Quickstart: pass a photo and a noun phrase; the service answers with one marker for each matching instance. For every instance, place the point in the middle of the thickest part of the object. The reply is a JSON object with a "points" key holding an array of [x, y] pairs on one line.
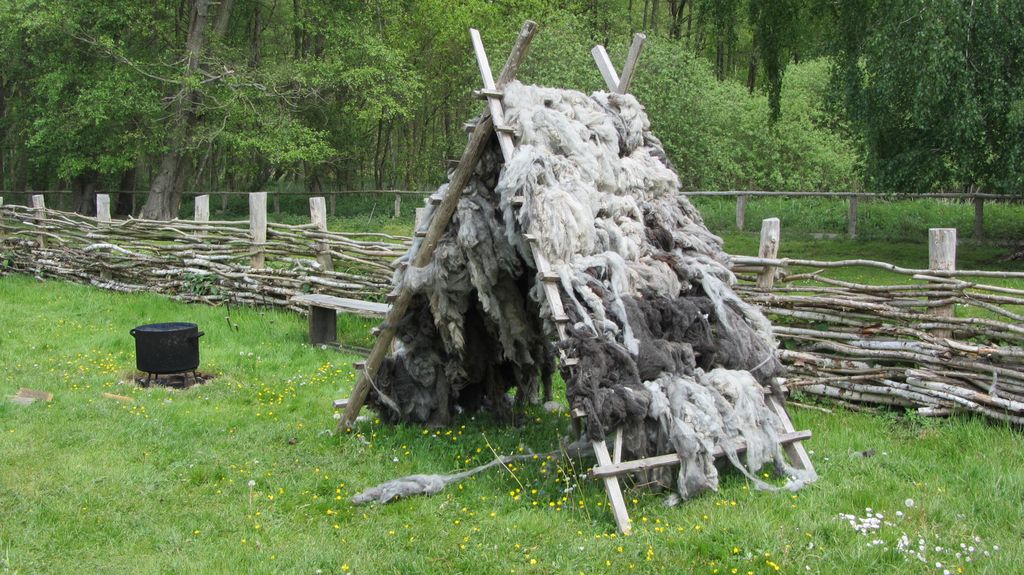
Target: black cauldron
{"points": [[167, 347]]}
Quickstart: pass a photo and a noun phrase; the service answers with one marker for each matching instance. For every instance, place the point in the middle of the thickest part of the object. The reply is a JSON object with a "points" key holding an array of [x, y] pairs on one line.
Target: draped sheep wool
{"points": [[664, 347]]}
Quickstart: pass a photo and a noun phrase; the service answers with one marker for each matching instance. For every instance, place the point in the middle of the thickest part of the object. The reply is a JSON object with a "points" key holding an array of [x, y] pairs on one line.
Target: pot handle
{"points": [[132, 332], [198, 335]]}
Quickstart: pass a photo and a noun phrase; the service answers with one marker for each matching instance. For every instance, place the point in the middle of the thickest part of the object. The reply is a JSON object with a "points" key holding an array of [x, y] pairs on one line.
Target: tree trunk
{"points": [[83, 193], [298, 39], [165, 193], [3, 129], [125, 204], [256, 50], [220, 27], [752, 72]]}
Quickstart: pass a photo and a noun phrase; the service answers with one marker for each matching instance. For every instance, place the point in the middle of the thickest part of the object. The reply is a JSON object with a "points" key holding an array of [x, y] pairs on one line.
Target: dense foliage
{"points": [[325, 94]]}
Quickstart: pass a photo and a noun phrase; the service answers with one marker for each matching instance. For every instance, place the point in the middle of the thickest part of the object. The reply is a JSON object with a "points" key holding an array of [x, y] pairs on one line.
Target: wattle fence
{"points": [[938, 340], [245, 262]]}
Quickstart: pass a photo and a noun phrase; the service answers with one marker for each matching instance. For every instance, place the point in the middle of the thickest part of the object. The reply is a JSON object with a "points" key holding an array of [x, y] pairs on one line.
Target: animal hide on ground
{"points": [[664, 347]]}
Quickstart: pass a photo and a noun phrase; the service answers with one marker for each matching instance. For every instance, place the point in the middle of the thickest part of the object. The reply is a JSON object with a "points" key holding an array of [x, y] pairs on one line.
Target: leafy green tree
{"points": [[936, 91]]}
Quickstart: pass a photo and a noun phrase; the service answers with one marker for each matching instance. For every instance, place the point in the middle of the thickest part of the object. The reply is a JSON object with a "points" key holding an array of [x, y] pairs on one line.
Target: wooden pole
{"points": [[629, 68], [39, 203], [771, 232], [851, 218], [479, 139], [318, 216], [103, 217], [334, 204], [421, 213], [942, 257], [604, 64], [741, 212], [258, 227], [979, 219], [223, 203], [202, 212], [398, 206]]}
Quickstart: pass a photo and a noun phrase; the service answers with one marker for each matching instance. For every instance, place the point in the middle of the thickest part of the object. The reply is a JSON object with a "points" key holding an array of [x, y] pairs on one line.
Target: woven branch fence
{"points": [[245, 262], [939, 340]]}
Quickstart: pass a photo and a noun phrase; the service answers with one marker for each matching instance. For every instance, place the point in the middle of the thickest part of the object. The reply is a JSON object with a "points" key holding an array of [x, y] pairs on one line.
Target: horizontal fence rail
{"points": [[246, 262], [939, 341]]}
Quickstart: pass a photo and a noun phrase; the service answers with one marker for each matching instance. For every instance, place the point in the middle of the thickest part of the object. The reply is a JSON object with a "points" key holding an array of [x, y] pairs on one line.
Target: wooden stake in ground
{"points": [[942, 257], [478, 141]]}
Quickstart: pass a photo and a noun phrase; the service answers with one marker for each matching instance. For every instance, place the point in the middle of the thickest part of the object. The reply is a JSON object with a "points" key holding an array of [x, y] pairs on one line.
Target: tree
{"points": [[936, 91]]}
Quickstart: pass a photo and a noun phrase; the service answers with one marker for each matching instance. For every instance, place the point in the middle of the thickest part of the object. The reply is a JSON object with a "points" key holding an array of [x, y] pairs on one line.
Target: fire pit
{"points": [[166, 348]]}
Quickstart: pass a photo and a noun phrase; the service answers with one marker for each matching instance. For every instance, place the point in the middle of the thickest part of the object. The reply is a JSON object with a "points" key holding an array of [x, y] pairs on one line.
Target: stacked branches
{"points": [[657, 343], [205, 262], [892, 345]]}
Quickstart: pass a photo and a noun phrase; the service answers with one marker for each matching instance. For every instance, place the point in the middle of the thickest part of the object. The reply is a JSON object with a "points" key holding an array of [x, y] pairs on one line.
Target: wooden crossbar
{"points": [[616, 469]]}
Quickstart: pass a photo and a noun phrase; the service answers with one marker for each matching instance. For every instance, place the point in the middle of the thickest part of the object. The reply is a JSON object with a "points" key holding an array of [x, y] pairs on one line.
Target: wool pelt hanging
{"points": [[664, 347]]}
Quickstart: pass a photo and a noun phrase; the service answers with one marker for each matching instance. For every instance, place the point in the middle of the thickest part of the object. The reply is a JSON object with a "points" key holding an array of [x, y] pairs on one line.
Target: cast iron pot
{"points": [[167, 347]]}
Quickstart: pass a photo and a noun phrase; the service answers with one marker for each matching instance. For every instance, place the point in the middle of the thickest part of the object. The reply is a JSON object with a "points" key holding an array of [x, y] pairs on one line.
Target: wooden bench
{"points": [[323, 314]]}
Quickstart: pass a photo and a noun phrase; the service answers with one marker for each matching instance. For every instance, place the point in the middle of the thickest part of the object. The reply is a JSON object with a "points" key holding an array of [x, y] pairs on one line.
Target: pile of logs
{"points": [[247, 262], [938, 341]]}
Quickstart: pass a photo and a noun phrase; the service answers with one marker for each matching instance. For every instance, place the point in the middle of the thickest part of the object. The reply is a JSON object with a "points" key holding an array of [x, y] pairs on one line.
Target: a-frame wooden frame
{"points": [[609, 467]]}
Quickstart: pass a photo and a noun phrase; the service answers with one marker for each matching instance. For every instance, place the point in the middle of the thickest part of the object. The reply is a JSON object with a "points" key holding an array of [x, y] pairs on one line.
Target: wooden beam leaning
{"points": [[494, 99], [798, 457], [604, 64], [611, 485], [619, 84], [442, 215], [629, 68]]}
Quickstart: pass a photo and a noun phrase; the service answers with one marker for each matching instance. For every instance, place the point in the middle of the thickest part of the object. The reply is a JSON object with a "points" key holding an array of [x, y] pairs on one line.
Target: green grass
{"points": [[161, 485], [878, 219]]}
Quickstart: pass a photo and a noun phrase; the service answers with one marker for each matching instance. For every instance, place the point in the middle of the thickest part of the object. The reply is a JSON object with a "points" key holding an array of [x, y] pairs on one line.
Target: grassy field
{"points": [[245, 475]]}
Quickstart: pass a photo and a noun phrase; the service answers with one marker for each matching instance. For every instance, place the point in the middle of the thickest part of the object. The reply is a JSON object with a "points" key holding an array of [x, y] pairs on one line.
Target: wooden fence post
{"points": [[979, 219], [942, 257], [39, 203], [398, 206], [318, 216], [851, 217], [224, 202], [277, 203], [334, 204], [771, 232], [741, 212], [421, 213], [103, 219], [103, 208], [202, 213], [1, 218], [258, 227]]}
